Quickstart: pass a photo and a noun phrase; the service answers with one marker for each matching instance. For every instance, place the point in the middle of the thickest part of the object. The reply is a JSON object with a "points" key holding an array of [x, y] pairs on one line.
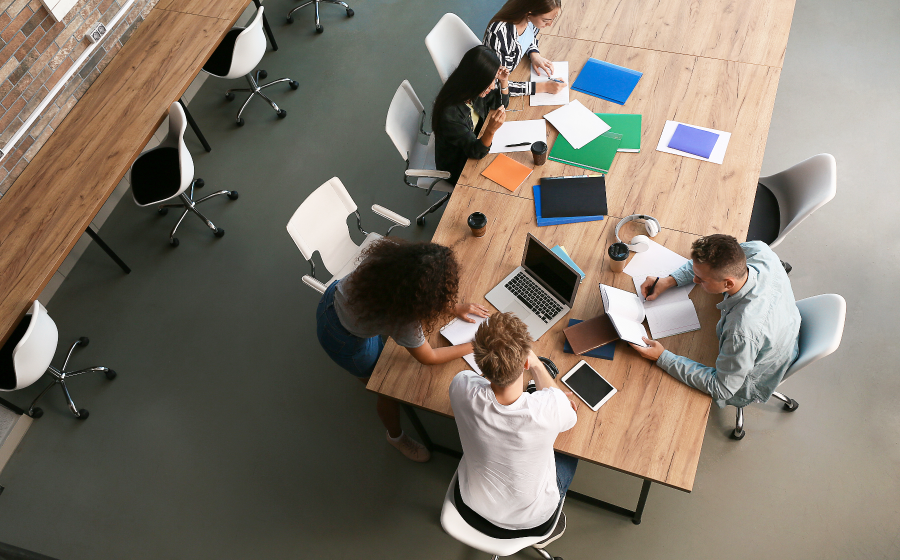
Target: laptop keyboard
{"points": [[534, 298]]}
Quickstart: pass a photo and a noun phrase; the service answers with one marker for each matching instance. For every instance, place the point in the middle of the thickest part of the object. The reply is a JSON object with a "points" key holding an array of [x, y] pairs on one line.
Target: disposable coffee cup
{"points": [[618, 254], [539, 152], [478, 222]]}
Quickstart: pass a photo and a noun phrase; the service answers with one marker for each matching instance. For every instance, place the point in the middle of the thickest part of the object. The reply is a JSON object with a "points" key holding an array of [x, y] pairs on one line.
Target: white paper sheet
{"points": [[660, 262], [577, 123], [716, 156], [470, 359], [458, 331], [516, 132], [674, 318], [561, 72]]}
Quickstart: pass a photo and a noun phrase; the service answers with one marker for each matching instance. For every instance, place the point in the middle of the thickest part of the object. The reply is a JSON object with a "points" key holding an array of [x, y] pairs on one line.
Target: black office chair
{"points": [[319, 28]]}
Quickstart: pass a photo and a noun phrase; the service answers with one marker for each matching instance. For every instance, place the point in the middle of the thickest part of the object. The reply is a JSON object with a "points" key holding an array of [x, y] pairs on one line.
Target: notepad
{"points": [[693, 140], [629, 126], [717, 155], [607, 81], [543, 222], [458, 331], [518, 132], [566, 197], [597, 155], [560, 72], [595, 337], [507, 172], [577, 123], [560, 252]]}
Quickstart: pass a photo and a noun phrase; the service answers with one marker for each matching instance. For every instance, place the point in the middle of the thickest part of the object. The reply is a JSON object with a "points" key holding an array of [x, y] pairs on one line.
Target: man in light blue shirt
{"points": [[759, 328]]}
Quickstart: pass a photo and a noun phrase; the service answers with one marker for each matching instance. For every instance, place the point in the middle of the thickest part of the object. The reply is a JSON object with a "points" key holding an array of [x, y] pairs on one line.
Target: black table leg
{"points": [[634, 515], [423, 435], [194, 126], [5, 403], [267, 28], [106, 248]]}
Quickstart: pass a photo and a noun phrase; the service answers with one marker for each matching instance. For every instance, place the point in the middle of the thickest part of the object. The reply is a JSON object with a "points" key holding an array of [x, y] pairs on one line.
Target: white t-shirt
{"points": [[508, 472]]}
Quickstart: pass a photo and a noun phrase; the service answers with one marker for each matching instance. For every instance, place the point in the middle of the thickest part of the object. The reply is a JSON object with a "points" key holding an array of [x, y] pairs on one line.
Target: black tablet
{"points": [[588, 385]]}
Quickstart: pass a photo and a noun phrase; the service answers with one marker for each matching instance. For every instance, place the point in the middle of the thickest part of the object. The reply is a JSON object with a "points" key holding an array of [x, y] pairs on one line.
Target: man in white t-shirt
{"points": [[509, 474]]}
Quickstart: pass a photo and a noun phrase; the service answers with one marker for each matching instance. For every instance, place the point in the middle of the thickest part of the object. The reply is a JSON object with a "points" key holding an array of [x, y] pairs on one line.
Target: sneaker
{"points": [[410, 447], [557, 532]]}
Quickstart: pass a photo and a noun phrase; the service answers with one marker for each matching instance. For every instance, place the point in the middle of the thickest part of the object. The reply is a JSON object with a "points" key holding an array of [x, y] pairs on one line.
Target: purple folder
{"points": [[693, 140]]}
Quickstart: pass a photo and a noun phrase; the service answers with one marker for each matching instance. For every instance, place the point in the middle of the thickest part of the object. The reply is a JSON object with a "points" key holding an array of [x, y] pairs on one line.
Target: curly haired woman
{"points": [[400, 290]]}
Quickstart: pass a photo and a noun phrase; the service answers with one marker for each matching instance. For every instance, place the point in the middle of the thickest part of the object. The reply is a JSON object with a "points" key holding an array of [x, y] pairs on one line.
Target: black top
{"points": [[459, 139]]}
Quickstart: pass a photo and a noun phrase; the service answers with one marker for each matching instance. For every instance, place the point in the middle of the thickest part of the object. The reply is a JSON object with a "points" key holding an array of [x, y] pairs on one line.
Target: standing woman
{"points": [[399, 290], [512, 33], [468, 103]]}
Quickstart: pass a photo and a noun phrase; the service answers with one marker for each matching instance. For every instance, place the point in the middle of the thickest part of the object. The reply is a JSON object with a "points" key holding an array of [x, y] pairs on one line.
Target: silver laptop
{"points": [[540, 292]]}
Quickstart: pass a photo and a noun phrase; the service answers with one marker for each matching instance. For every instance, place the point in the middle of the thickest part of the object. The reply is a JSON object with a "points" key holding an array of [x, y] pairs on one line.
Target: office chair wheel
{"points": [[420, 221], [294, 84], [233, 195], [737, 436], [111, 374], [84, 341], [82, 414], [229, 96], [262, 75], [219, 232], [162, 211], [35, 412], [281, 113], [791, 407], [350, 12], [319, 29], [199, 183], [173, 242], [240, 121], [290, 19]]}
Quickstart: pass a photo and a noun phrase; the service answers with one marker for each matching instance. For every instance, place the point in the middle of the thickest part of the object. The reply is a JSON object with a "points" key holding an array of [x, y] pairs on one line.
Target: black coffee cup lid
{"points": [[618, 251], [477, 220], [539, 146]]}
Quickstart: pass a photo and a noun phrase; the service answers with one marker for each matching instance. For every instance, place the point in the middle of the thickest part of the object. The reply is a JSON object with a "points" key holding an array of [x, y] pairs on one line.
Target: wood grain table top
{"points": [[228, 10], [653, 427], [50, 205], [682, 193]]}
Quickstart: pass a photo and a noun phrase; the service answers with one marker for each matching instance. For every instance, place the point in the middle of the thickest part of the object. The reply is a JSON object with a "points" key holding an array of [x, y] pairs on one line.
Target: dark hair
{"points": [[475, 73], [515, 11], [722, 253], [501, 346], [404, 282]]}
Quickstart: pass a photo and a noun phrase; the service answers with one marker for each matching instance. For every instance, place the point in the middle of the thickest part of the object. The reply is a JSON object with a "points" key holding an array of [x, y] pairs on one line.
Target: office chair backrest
{"points": [[450, 39], [404, 119], [249, 47], [801, 190], [34, 352], [320, 224], [455, 526], [175, 138], [821, 327]]}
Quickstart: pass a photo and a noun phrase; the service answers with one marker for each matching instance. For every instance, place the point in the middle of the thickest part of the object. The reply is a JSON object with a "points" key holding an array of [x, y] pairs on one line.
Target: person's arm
{"points": [[497, 36], [455, 131], [429, 356], [684, 275], [543, 379], [737, 357]]}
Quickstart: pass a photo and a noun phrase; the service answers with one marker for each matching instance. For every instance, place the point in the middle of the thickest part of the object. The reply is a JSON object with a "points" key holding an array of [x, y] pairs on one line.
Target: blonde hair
{"points": [[501, 348]]}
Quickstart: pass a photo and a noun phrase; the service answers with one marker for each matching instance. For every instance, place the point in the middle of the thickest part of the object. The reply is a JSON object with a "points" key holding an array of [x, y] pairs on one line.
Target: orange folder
{"points": [[507, 172]]}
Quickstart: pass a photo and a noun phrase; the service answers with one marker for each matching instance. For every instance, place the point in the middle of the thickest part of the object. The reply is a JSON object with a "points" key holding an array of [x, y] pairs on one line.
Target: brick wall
{"points": [[35, 52]]}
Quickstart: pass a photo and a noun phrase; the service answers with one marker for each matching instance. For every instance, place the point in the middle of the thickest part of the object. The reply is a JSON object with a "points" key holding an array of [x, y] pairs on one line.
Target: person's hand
{"points": [[661, 286], [549, 87], [654, 351], [503, 75], [539, 63], [572, 400], [463, 310], [496, 119]]}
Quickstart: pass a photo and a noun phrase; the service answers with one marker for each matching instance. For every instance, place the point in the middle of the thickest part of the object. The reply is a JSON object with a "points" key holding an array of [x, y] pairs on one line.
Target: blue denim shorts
{"points": [[354, 354]]}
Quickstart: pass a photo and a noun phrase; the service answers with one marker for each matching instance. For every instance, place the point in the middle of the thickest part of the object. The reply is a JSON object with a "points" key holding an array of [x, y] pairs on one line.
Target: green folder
{"points": [[596, 155], [629, 126]]}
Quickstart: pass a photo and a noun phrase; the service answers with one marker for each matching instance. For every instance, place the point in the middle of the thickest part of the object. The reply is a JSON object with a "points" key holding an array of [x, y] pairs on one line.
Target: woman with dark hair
{"points": [[400, 290], [468, 103], [513, 32]]}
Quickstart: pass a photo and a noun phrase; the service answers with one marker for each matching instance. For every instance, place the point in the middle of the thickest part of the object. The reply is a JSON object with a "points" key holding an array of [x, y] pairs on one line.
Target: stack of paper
{"points": [[560, 72], [577, 124], [607, 81], [693, 142], [458, 331], [512, 133]]}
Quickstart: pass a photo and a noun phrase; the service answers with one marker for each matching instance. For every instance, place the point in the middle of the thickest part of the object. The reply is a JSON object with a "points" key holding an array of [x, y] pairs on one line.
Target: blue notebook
{"points": [[564, 256], [606, 352], [693, 140], [556, 221], [607, 81]]}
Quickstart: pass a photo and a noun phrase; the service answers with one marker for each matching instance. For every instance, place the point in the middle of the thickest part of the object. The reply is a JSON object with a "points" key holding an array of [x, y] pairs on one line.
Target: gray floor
{"points": [[228, 434]]}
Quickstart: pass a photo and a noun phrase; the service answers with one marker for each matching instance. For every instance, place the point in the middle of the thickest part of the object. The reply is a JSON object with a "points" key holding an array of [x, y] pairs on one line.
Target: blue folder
{"points": [[693, 140], [564, 256], [607, 81], [556, 221], [606, 352]]}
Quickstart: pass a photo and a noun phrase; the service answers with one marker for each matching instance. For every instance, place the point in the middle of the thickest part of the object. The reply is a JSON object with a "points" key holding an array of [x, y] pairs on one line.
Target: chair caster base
{"points": [[82, 414], [240, 122], [290, 19], [199, 183], [162, 211], [219, 232], [84, 341], [35, 412], [350, 12], [233, 195], [262, 75], [282, 113], [736, 435], [229, 96], [294, 84], [420, 221], [173, 242], [791, 407], [111, 374], [319, 29]]}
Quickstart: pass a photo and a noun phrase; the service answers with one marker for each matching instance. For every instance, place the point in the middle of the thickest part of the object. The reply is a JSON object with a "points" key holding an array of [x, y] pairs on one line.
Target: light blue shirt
{"points": [[526, 39], [758, 334]]}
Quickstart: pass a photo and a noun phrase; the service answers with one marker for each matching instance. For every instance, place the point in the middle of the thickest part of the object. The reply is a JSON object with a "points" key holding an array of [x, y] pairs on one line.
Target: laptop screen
{"points": [[554, 274]]}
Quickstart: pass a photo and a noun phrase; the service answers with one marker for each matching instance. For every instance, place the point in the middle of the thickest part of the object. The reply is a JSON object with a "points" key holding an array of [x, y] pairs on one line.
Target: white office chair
{"points": [[319, 28], [821, 327], [450, 39], [405, 121], [787, 198], [28, 353], [165, 173], [320, 224], [237, 55], [457, 527]]}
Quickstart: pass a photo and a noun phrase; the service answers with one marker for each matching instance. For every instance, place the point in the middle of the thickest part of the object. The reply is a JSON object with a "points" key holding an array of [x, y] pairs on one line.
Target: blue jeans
{"points": [[354, 354], [565, 472]]}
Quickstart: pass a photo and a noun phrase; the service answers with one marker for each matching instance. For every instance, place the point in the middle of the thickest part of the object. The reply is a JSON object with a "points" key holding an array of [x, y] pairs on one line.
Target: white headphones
{"points": [[639, 243]]}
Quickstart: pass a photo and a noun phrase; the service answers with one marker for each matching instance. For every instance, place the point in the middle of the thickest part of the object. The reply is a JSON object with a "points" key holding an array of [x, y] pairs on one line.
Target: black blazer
{"points": [[458, 140]]}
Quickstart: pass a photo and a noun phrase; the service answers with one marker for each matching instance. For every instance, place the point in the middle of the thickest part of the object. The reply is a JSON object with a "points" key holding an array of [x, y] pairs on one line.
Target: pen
{"points": [[650, 291], [557, 80], [519, 144]]}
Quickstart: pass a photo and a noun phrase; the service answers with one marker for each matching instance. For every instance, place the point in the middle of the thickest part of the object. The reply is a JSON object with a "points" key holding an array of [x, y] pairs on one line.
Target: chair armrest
{"points": [[390, 215], [313, 283], [433, 173]]}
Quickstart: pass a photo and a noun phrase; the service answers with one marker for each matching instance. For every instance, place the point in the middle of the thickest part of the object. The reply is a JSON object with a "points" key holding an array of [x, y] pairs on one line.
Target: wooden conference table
{"points": [[713, 64], [53, 201]]}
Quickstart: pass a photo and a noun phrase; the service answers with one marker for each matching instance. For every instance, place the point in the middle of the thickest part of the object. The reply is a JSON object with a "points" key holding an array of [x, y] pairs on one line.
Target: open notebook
{"points": [[458, 331], [665, 317]]}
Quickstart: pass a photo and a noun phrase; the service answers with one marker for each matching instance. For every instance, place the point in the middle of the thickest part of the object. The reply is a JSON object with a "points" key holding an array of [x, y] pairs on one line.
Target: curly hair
{"points": [[501, 347], [405, 282], [722, 253]]}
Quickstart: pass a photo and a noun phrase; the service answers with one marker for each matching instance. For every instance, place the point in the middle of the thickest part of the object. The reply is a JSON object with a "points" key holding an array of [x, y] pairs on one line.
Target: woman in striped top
{"points": [[512, 33]]}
